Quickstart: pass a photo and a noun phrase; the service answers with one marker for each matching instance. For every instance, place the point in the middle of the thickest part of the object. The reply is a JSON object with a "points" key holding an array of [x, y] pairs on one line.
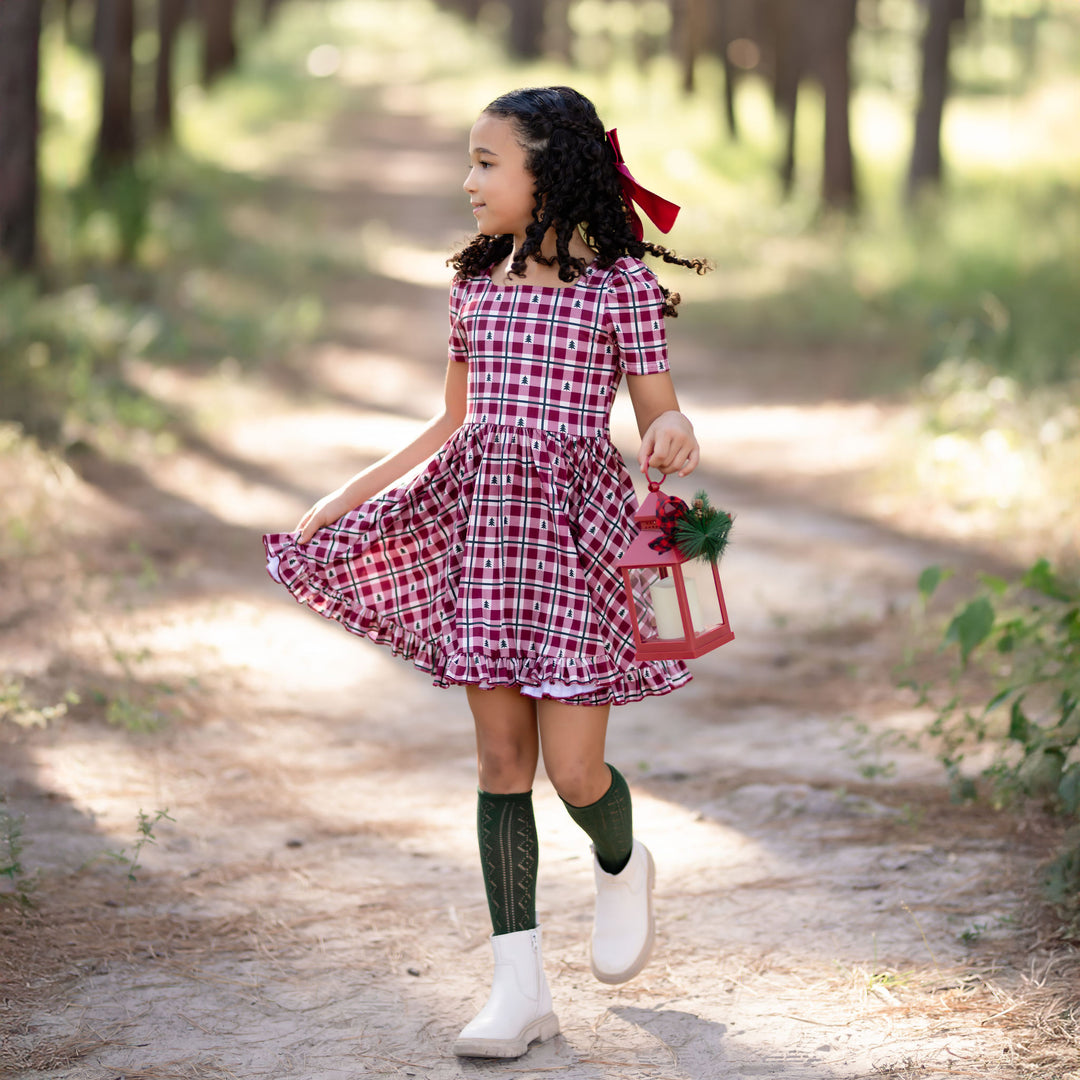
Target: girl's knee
{"points": [[506, 767], [579, 783]]}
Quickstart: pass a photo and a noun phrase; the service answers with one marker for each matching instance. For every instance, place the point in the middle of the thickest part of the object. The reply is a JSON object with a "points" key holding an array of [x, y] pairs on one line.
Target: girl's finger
{"points": [[645, 452], [691, 463], [661, 455]]}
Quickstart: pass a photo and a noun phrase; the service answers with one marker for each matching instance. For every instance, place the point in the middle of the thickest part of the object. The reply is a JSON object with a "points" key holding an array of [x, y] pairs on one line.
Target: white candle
{"points": [[665, 602]]}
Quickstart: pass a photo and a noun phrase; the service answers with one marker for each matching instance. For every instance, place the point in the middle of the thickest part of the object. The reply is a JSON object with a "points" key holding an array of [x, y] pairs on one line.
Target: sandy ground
{"points": [[312, 906]]}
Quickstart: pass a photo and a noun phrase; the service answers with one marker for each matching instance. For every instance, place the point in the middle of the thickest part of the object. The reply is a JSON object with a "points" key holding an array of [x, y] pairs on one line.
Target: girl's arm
{"points": [[384, 472], [667, 437]]}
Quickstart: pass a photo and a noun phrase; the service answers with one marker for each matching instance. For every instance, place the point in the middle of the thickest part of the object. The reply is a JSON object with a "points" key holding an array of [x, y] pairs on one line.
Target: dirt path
{"points": [[312, 907]]}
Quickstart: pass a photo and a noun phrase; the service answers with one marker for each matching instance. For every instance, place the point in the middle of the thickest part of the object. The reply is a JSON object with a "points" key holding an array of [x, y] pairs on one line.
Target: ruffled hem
{"points": [[546, 676]]}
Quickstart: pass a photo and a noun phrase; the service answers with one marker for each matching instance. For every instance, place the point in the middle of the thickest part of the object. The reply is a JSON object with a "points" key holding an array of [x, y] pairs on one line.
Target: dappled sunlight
{"points": [[1014, 138], [106, 780], [318, 904], [273, 645], [829, 439], [412, 265], [350, 433], [387, 380]]}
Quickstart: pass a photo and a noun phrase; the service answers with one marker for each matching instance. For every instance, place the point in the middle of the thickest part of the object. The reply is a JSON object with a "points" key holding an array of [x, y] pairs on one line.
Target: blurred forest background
{"points": [[889, 191], [890, 185]]}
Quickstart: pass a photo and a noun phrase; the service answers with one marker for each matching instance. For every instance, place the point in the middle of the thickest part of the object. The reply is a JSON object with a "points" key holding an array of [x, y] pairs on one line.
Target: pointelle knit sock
{"points": [[509, 852], [609, 823]]}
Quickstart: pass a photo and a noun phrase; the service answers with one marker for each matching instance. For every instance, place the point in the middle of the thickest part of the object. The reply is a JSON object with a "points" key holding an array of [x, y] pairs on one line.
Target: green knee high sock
{"points": [[609, 823], [509, 852]]}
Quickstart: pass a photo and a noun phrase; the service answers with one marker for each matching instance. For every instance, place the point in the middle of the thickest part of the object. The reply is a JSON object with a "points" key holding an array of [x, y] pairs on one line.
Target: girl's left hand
{"points": [[670, 445]]}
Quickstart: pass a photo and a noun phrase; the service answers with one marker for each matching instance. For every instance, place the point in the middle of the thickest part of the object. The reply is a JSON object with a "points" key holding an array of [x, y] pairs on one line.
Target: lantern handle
{"points": [[654, 485]]}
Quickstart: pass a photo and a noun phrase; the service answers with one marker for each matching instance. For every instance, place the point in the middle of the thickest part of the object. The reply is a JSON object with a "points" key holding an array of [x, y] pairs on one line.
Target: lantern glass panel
{"points": [[698, 576], [643, 581]]}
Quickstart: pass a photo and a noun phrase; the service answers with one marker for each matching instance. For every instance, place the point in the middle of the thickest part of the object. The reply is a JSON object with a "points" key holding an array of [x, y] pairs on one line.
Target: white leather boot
{"points": [[518, 1012], [623, 926]]}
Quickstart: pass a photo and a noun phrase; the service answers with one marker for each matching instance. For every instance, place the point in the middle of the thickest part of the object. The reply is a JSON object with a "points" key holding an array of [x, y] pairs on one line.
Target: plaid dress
{"points": [[496, 564]]}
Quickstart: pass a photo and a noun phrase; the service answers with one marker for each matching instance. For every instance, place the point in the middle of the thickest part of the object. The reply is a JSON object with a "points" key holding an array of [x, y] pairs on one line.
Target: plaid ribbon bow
{"points": [[668, 511]]}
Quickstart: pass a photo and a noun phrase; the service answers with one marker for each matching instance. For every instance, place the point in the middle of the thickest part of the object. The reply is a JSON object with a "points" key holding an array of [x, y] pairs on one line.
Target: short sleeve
{"points": [[458, 349], [634, 304]]}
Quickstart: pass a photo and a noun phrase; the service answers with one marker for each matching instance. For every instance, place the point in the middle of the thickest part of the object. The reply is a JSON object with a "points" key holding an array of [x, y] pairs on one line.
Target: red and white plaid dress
{"points": [[496, 564]]}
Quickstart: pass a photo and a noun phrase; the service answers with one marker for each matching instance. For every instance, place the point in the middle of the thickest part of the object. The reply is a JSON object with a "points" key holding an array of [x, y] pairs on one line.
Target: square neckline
{"points": [[587, 272]]}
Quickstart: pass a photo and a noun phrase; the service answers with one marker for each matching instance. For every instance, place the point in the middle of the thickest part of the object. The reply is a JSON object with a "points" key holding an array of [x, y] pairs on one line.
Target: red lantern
{"points": [[689, 615]]}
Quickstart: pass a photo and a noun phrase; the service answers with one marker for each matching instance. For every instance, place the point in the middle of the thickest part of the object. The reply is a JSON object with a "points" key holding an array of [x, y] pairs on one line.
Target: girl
{"points": [[494, 567]]}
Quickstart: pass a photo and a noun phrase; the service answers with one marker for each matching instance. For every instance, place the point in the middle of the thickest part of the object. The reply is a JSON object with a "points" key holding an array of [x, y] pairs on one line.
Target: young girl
{"points": [[495, 567]]}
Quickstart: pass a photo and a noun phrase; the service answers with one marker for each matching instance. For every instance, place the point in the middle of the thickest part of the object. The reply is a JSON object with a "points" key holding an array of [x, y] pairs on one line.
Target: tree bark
{"points": [[688, 27], [925, 169], [724, 38], [526, 37], [559, 35], [219, 38], [170, 16], [785, 28], [269, 10], [20, 32], [837, 23], [115, 33]]}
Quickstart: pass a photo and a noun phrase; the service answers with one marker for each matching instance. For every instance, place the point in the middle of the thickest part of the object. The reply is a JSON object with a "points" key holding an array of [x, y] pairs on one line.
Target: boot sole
{"points": [[614, 978], [547, 1027]]}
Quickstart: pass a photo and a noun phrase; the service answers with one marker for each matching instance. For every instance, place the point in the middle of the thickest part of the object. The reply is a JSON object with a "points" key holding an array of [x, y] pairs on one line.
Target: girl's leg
{"points": [[506, 749], [507, 744], [519, 1010], [594, 793], [598, 799]]}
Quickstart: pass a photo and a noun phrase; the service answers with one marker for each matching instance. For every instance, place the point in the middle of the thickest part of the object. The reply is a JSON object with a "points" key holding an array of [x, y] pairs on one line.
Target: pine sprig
{"points": [[702, 532]]}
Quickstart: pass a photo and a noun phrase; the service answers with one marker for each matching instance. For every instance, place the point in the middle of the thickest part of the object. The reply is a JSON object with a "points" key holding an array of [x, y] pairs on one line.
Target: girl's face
{"points": [[499, 186]]}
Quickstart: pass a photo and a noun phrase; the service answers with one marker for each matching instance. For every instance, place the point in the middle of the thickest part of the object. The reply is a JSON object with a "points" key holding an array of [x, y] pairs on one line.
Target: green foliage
{"points": [[62, 364], [702, 532], [22, 884], [144, 835], [16, 707], [867, 748], [1014, 688]]}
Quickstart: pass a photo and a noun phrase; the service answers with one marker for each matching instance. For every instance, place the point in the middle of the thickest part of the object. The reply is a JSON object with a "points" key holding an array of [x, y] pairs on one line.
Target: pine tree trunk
{"points": [[724, 37], [170, 16], [837, 25], [219, 38], [689, 17], [785, 29], [925, 169], [560, 36], [115, 33], [20, 31], [526, 37]]}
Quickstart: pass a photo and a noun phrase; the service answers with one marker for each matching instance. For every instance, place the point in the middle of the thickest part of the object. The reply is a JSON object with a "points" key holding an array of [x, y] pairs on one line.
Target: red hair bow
{"points": [[659, 211]]}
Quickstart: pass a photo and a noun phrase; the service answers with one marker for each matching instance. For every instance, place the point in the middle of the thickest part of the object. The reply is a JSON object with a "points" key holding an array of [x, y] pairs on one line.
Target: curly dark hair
{"points": [[577, 185]]}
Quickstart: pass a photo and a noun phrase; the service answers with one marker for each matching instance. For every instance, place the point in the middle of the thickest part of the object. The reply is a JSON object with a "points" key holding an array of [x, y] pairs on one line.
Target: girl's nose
{"points": [[469, 186]]}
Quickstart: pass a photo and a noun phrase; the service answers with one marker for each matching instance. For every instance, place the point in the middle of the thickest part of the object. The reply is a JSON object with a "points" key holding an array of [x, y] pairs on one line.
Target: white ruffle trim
{"points": [[272, 568], [557, 690]]}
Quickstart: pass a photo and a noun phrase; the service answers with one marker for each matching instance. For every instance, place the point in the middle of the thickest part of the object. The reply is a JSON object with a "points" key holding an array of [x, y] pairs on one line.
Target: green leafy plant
{"points": [[1013, 685], [16, 707], [145, 824], [20, 884]]}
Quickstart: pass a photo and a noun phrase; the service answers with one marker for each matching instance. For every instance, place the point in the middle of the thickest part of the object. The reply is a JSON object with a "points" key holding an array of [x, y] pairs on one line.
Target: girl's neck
{"points": [[537, 273]]}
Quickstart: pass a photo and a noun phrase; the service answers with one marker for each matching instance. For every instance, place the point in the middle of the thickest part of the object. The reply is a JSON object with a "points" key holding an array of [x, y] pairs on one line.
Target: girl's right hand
{"points": [[325, 512]]}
